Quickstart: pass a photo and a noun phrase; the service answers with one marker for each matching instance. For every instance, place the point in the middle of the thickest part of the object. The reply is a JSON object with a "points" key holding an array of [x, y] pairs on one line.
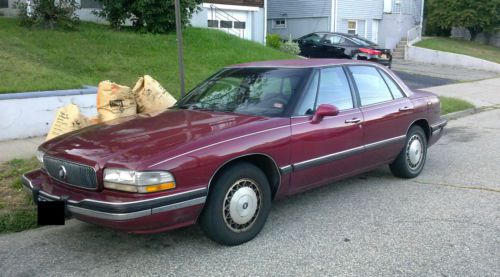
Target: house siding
{"points": [[306, 16], [299, 8], [297, 27]]}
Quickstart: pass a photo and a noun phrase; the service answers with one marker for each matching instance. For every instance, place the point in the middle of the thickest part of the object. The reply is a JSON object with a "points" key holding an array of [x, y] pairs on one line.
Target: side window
{"points": [[334, 89], [306, 104], [395, 89], [371, 87]]}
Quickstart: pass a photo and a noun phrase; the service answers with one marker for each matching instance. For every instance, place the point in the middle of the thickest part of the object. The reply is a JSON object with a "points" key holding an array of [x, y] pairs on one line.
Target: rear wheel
{"points": [[410, 162], [237, 206]]}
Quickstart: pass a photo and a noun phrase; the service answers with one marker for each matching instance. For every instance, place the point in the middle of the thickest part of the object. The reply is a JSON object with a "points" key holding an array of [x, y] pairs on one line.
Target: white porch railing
{"points": [[219, 14], [414, 35]]}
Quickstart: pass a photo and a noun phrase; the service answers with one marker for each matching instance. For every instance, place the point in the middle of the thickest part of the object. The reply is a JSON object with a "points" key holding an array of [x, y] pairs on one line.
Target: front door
{"points": [[310, 45], [328, 150]]}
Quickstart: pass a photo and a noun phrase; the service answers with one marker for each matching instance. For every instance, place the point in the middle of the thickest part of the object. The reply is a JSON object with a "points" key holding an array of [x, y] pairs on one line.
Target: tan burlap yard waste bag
{"points": [[114, 101], [151, 96], [68, 118]]}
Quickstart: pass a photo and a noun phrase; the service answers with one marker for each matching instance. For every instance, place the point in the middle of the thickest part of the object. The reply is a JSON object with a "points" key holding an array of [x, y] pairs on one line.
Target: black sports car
{"points": [[340, 45]]}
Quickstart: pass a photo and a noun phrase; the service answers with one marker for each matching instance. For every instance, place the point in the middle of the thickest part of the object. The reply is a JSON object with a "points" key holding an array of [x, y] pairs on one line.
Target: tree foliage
{"points": [[153, 16], [475, 15], [49, 14]]}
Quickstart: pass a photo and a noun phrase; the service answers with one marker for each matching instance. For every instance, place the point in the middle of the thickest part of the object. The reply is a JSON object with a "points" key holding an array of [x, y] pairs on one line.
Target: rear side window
{"points": [[371, 86], [393, 87], [334, 89], [334, 39]]}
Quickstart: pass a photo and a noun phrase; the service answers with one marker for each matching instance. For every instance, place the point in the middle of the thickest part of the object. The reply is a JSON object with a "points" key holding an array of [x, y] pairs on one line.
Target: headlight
{"points": [[39, 157], [138, 181]]}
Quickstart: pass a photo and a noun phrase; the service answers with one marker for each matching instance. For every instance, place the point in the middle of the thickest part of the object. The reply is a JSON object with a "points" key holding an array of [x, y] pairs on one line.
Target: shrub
{"points": [[274, 41], [49, 14], [153, 16], [290, 47]]}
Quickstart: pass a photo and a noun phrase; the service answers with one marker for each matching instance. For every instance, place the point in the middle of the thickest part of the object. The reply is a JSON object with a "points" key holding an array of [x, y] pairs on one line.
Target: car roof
{"points": [[336, 33], [297, 63]]}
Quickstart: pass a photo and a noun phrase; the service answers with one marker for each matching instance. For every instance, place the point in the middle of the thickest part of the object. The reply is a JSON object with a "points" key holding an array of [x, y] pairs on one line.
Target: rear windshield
{"points": [[250, 91], [362, 41]]}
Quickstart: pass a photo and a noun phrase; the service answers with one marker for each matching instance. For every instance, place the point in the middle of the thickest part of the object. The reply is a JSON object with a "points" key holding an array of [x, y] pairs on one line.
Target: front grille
{"points": [[75, 174]]}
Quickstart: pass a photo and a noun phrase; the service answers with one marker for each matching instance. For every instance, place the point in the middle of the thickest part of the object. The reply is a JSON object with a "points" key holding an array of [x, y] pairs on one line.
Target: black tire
{"points": [[405, 166], [216, 219]]}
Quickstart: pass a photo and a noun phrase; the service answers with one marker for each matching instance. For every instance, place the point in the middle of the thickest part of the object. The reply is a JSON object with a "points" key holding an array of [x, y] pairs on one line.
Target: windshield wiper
{"points": [[192, 107]]}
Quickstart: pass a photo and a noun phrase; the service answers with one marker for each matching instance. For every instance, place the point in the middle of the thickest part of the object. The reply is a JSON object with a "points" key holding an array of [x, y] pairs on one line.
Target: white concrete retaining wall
{"points": [[30, 114], [425, 55]]}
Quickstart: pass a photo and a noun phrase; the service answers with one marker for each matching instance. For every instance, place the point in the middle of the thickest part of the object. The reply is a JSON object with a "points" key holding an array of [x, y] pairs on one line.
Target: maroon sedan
{"points": [[249, 134]]}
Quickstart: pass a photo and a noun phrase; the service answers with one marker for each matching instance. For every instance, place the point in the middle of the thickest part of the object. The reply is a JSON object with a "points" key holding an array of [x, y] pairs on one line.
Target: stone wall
{"points": [[491, 39]]}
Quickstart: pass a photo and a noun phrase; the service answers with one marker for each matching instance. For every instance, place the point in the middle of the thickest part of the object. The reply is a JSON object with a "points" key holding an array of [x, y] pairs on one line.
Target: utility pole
{"points": [[178, 29]]}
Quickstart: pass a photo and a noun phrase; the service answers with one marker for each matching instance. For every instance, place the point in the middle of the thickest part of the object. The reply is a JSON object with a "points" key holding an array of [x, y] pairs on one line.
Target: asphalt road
{"points": [[418, 81], [444, 223]]}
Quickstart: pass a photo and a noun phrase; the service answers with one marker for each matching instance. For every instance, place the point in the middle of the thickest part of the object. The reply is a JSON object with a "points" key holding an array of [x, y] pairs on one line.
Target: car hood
{"points": [[133, 142]]}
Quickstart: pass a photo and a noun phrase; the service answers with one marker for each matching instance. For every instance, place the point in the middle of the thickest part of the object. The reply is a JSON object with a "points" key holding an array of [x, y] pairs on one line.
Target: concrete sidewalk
{"points": [[484, 93], [19, 148]]}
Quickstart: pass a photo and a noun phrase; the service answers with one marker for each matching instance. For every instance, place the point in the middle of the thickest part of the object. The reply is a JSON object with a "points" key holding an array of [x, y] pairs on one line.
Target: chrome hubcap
{"points": [[241, 205], [415, 152]]}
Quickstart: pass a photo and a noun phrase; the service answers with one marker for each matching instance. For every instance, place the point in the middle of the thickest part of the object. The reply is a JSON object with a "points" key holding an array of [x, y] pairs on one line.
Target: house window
{"points": [[226, 24], [213, 23], [90, 4], [387, 6], [239, 25], [279, 23], [352, 27], [4, 4]]}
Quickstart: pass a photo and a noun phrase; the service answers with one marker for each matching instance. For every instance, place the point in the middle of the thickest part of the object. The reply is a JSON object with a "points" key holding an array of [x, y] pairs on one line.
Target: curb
{"points": [[471, 111], [49, 93]]}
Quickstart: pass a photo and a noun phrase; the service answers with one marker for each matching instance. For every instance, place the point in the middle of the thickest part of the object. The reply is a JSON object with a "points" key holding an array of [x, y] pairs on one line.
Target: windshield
{"points": [[362, 41], [251, 91]]}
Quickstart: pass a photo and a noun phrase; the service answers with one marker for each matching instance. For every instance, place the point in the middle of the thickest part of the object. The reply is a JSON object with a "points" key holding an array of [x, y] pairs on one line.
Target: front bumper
{"points": [[127, 215]]}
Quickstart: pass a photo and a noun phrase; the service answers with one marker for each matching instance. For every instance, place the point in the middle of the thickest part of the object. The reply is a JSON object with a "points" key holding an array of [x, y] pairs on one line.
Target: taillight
{"points": [[370, 51]]}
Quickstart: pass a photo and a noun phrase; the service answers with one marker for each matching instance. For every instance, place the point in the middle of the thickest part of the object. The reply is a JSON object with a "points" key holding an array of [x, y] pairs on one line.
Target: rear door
{"points": [[332, 46], [387, 113], [324, 152]]}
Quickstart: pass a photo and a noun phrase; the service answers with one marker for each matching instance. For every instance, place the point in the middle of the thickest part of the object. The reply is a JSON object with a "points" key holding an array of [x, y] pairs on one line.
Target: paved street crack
{"points": [[459, 186]]}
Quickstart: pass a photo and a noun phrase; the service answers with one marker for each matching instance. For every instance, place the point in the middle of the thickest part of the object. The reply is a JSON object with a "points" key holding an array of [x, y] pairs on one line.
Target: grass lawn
{"points": [[44, 60], [450, 105], [473, 49], [17, 211]]}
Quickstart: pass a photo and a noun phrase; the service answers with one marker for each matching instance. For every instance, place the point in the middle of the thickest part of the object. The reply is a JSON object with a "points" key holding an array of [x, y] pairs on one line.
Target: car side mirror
{"points": [[322, 111]]}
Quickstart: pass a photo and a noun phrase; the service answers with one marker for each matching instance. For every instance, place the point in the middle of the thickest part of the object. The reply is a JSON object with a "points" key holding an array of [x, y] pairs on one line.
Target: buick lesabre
{"points": [[250, 134]]}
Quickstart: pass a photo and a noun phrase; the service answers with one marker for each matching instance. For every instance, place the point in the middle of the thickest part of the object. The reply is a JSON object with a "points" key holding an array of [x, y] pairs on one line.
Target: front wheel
{"points": [[237, 206], [410, 161]]}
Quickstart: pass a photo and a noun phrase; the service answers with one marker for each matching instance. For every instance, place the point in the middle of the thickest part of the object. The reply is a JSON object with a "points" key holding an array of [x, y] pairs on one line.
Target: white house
{"points": [[242, 18]]}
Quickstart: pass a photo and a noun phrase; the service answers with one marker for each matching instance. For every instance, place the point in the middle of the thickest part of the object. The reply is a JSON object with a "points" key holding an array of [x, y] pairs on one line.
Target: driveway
{"points": [[419, 81], [444, 223], [420, 75]]}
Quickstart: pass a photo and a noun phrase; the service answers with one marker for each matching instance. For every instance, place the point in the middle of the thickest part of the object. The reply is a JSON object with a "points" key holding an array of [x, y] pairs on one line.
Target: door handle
{"points": [[354, 120], [406, 108]]}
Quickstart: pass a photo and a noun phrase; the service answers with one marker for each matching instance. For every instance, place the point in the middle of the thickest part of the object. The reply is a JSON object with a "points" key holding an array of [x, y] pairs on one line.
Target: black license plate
{"points": [[51, 212]]}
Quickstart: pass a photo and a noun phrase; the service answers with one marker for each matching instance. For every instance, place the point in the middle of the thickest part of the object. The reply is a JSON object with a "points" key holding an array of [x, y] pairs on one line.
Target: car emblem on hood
{"points": [[62, 172]]}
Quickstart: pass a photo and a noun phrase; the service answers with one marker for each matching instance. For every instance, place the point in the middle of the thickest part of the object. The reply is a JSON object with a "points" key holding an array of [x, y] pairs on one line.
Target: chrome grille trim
{"points": [[78, 175]]}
